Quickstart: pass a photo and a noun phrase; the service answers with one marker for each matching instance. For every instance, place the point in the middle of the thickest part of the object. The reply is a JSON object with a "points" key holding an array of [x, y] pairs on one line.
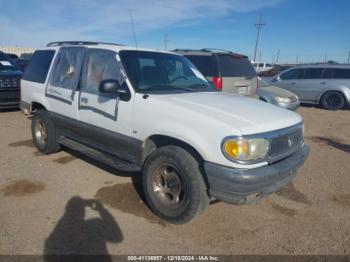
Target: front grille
{"points": [[9, 96], [285, 145], [9, 82]]}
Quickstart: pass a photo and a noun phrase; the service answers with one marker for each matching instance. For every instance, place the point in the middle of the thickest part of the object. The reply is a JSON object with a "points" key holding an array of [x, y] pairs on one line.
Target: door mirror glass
{"points": [[109, 86]]}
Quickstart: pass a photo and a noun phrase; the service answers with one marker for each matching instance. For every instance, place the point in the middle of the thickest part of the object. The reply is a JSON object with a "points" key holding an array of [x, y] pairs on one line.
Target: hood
{"points": [[276, 91], [245, 114], [16, 73]]}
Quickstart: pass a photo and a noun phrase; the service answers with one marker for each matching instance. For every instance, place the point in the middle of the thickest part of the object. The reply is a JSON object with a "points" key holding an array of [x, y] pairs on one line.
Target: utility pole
{"points": [[166, 41], [260, 56], [349, 58], [133, 27], [325, 58], [278, 56], [259, 25], [297, 59]]}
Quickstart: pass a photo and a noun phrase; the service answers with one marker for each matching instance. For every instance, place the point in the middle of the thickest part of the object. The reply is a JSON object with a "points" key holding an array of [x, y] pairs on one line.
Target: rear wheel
{"points": [[44, 133], [333, 100], [173, 185]]}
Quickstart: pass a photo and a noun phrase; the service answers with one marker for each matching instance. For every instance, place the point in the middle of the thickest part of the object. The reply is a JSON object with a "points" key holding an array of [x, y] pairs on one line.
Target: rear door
{"points": [[239, 75], [311, 85], [63, 82]]}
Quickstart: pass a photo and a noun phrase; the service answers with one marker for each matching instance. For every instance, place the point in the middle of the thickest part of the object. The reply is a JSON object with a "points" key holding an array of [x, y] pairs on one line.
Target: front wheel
{"points": [[44, 133], [333, 100], [173, 185]]}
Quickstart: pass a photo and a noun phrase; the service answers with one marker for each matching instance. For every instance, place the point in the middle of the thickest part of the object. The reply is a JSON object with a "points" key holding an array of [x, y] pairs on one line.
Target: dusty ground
{"points": [[43, 199]]}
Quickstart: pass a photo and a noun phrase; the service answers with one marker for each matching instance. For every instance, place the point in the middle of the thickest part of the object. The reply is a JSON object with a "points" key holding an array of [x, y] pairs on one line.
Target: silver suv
{"points": [[327, 85], [230, 72]]}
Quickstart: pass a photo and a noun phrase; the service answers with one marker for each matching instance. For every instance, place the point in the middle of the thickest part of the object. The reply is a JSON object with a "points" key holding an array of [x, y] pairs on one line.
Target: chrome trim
{"points": [[268, 136]]}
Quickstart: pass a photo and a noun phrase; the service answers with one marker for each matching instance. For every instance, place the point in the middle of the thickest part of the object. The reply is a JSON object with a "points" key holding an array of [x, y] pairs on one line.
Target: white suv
{"points": [[151, 111]]}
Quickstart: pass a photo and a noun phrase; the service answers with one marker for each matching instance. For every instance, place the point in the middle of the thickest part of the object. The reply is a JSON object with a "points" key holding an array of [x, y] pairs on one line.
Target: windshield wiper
{"points": [[168, 87]]}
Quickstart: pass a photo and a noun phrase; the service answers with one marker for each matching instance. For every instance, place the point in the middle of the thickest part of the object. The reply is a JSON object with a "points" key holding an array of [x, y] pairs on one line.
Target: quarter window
{"points": [[341, 73], [38, 66]]}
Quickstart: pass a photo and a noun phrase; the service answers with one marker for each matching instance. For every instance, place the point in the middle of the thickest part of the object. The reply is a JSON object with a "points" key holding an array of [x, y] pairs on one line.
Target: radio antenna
{"points": [[133, 28]]}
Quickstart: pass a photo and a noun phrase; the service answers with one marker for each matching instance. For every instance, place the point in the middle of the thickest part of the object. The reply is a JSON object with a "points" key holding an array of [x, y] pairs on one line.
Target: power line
{"points": [[259, 25]]}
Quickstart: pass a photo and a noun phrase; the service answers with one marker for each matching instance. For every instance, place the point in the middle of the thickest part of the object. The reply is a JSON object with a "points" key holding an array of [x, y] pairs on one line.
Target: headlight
{"points": [[282, 99], [245, 149]]}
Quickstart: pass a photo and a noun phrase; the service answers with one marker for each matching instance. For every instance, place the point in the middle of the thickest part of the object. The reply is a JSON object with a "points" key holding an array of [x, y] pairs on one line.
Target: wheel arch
{"points": [[156, 141], [339, 90]]}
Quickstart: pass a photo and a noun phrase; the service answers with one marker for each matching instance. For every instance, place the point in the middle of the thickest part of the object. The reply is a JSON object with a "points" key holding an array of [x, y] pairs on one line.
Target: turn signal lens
{"points": [[245, 149]]}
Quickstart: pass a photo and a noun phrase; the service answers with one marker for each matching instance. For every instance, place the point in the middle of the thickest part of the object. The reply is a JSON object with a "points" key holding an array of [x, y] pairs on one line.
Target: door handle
{"points": [[293, 83], [84, 100], [323, 83]]}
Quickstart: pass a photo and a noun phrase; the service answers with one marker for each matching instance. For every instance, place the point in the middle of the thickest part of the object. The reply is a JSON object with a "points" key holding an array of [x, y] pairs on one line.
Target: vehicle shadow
{"points": [[333, 143], [75, 236]]}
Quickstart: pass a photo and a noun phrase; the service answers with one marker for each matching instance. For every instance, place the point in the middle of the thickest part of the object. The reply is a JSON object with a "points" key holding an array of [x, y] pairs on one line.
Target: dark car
{"points": [[10, 77]]}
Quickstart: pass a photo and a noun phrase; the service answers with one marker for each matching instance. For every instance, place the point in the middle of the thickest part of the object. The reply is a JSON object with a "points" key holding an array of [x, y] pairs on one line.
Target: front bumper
{"points": [[244, 186], [9, 98]]}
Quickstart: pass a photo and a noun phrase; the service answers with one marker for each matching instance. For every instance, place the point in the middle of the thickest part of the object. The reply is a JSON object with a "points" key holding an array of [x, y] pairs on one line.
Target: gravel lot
{"points": [[46, 203]]}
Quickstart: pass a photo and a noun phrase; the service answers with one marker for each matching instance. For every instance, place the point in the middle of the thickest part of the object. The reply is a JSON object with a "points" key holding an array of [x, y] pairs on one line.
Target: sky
{"points": [[303, 30]]}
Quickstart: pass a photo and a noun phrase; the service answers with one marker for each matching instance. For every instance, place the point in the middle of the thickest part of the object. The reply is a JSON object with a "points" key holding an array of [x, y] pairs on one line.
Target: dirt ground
{"points": [[66, 203]]}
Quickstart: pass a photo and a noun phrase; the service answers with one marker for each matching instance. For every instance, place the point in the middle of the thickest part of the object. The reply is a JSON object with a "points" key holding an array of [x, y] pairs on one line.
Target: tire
{"points": [[44, 133], [333, 100], [173, 185]]}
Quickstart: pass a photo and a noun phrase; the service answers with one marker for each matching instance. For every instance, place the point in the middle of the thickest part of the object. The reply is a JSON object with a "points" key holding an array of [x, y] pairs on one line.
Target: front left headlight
{"points": [[282, 99], [245, 149]]}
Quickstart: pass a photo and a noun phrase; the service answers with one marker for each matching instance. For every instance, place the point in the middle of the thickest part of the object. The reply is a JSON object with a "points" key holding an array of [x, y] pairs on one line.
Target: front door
{"points": [[105, 118]]}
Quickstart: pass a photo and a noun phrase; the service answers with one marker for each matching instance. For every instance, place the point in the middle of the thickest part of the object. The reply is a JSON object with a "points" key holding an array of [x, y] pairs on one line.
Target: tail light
{"points": [[218, 82], [20, 90]]}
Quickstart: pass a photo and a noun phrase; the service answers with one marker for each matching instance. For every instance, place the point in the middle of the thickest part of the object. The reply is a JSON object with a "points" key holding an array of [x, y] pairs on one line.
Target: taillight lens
{"points": [[20, 90], [218, 82]]}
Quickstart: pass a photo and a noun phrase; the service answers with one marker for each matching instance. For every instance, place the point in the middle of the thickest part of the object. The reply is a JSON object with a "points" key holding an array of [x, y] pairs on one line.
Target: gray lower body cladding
{"points": [[242, 186]]}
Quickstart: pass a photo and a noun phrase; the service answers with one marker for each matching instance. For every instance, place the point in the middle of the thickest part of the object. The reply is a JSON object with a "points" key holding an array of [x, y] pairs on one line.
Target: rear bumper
{"points": [[243, 186]]}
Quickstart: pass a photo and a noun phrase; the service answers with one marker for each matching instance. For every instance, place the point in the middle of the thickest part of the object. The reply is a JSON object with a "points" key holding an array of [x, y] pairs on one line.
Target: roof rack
{"points": [[216, 49], [61, 43]]}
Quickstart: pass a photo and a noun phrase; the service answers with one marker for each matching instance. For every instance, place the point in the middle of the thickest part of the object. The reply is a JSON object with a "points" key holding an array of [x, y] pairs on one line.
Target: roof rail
{"points": [[216, 49], [189, 50], [61, 43]]}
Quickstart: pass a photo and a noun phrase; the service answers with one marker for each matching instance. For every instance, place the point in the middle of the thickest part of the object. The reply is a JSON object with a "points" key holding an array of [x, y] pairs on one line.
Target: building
{"points": [[16, 50]]}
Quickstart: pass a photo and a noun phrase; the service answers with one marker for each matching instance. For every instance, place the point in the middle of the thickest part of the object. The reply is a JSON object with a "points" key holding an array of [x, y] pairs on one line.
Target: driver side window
{"points": [[293, 74], [99, 65]]}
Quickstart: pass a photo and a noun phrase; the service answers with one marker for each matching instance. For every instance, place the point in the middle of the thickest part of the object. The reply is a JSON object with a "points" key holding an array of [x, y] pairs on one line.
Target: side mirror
{"points": [[109, 86]]}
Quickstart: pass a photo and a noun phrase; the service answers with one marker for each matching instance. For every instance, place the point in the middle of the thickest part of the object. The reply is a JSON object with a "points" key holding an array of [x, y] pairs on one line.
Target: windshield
{"points": [[151, 71], [6, 63]]}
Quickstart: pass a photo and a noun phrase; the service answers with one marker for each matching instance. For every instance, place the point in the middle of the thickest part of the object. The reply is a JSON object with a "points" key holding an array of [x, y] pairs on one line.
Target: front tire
{"points": [[173, 185], [333, 100], [44, 133]]}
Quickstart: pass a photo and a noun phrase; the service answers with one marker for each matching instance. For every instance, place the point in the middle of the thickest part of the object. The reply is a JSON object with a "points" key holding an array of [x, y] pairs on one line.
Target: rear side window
{"points": [[341, 73], [38, 66], [205, 64], [313, 73], [232, 66], [292, 74], [66, 71]]}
